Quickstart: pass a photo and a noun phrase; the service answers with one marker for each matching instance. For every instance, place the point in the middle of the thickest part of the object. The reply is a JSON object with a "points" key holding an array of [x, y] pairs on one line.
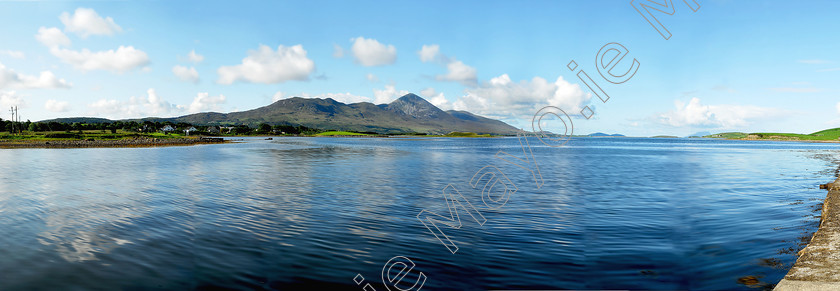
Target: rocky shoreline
{"points": [[127, 142], [817, 265]]}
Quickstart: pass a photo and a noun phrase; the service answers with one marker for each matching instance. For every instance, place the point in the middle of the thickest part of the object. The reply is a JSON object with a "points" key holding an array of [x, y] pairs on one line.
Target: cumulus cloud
{"points": [[124, 58], [194, 57], [204, 102], [13, 54], [11, 79], [429, 53], [372, 78], [57, 106], [52, 37], [459, 72], [504, 99], [456, 71], [267, 66], [436, 98], [186, 74], [11, 98], [369, 52], [388, 94], [696, 114], [143, 106], [86, 22]]}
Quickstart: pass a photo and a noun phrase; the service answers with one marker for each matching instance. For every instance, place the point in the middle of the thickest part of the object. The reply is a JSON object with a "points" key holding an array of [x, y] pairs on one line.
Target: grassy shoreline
{"points": [[120, 138], [824, 136], [99, 139]]}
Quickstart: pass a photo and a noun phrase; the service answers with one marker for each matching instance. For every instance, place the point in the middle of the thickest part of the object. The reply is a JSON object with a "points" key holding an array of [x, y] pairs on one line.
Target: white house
{"points": [[188, 130]]}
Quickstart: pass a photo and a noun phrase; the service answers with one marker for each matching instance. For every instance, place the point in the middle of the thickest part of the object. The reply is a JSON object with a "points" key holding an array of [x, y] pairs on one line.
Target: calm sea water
{"points": [[306, 213]]}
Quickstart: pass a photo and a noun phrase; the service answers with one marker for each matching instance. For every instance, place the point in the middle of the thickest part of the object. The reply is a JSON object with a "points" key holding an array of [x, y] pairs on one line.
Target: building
{"points": [[191, 129]]}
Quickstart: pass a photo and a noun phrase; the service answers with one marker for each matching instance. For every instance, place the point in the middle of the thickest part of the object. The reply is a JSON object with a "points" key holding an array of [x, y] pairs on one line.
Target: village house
{"points": [[188, 130]]}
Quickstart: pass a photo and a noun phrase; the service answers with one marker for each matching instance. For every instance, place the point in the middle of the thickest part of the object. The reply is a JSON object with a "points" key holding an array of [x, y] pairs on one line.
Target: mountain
{"points": [[600, 134], [409, 113]]}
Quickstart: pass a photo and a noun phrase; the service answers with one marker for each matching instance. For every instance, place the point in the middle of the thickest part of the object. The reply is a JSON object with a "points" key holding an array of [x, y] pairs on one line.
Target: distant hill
{"points": [[409, 113], [88, 120], [601, 134], [824, 135], [700, 134]]}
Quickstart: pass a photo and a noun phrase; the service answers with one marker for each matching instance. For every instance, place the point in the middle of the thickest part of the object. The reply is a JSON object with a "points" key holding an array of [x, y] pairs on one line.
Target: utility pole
{"points": [[12, 109]]}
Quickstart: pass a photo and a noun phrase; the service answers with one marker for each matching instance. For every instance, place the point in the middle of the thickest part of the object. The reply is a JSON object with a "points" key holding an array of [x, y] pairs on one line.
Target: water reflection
{"points": [[297, 213]]}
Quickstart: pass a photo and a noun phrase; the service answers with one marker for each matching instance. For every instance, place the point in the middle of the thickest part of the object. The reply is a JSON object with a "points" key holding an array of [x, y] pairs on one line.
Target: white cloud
{"points": [[715, 116], [456, 70], [372, 78], [429, 53], [186, 74], [387, 95], [11, 98], [11, 79], [369, 52], [194, 57], [121, 60], [267, 66], [502, 98], [86, 22], [13, 54], [57, 106], [52, 37], [459, 72], [204, 102], [144, 106], [338, 51], [436, 98], [838, 107]]}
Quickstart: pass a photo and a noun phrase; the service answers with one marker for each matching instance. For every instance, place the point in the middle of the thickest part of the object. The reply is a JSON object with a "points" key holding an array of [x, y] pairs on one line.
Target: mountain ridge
{"points": [[409, 113]]}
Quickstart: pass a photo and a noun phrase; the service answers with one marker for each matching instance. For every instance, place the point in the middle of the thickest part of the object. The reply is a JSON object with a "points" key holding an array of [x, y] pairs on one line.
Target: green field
{"points": [[824, 135], [84, 134]]}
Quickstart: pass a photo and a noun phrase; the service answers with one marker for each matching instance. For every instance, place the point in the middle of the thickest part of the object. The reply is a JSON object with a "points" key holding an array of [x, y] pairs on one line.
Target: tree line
{"points": [[152, 126]]}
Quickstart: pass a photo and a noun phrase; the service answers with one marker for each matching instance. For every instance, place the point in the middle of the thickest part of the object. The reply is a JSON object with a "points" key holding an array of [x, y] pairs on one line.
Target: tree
{"points": [[33, 126], [264, 128], [241, 129]]}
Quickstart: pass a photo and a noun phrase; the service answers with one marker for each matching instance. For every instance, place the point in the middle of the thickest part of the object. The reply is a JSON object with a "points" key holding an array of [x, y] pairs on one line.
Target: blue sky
{"points": [[730, 66]]}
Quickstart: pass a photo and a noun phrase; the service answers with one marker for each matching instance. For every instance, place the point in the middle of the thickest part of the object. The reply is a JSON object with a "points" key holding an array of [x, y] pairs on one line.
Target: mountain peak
{"points": [[412, 98], [415, 106]]}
